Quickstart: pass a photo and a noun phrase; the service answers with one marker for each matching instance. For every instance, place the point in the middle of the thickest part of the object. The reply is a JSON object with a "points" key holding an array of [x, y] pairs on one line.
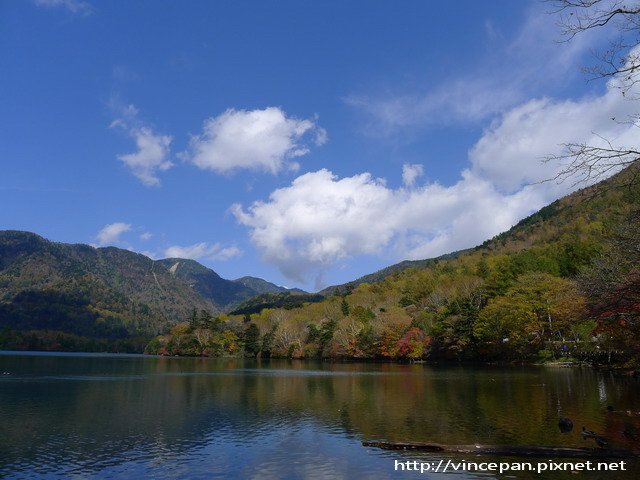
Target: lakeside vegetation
{"points": [[563, 284]]}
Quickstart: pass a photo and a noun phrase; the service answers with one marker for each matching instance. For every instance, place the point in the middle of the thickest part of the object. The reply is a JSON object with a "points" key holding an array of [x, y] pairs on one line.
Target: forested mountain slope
{"points": [[61, 296], [260, 286], [90, 292], [207, 283], [562, 284]]}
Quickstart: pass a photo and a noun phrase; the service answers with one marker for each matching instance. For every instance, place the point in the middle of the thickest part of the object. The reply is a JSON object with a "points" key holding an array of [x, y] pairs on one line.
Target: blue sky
{"points": [[308, 143]]}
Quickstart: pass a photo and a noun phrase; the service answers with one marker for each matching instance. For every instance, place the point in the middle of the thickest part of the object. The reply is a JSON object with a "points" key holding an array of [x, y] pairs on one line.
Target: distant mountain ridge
{"points": [[207, 283], [262, 286], [103, 286], [106, 292]]}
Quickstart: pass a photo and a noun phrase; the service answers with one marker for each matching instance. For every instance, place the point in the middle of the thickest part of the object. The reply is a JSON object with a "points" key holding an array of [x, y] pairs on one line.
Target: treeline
{"points": [[59, 341], [287, 300], [205, 335], [50, 320], [562, 285]]}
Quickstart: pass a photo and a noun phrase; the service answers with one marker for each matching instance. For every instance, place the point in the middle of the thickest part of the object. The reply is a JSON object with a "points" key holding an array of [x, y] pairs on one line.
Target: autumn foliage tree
{"points": [[536, 311], [413, 345], [612, 285]]}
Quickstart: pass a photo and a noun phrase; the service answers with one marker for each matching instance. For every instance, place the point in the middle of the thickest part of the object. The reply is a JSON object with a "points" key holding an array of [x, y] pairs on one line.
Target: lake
{"points": [[133, 416]]}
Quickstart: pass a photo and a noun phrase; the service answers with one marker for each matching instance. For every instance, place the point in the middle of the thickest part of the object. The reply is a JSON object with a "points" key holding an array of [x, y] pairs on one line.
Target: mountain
{"points": [[81, 295], [607, 201], [561, 285], [226, 294], [88, 292], [287, 300], [261, 286], [381, 274], [207, 283]]}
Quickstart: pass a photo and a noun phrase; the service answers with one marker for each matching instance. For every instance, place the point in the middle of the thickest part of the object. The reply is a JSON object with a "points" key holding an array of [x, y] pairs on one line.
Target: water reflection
{"points": [[173, 417]]}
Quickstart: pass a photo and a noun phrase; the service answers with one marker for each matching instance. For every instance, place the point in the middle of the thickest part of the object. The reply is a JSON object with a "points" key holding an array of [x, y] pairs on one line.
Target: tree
{"points": [[619, 63], [203, 336], [267, 341], [538, 308], [413, 345], [346, 338], [327, 330], [502, 327], [344, 306], [612, 285], [205, 318], [252, 340], [193, 319]]}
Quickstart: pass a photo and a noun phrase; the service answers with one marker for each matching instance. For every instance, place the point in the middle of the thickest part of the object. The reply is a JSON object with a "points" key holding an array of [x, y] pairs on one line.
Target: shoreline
{"points": [[430, 363]]}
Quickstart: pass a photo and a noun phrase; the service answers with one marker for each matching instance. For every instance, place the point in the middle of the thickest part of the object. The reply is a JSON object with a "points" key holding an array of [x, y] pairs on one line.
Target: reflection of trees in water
{"points": [[168, 406]]}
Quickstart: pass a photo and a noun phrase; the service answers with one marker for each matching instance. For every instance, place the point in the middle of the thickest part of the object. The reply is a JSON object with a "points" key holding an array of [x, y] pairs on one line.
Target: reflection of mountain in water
{"points": [[92, 412]]}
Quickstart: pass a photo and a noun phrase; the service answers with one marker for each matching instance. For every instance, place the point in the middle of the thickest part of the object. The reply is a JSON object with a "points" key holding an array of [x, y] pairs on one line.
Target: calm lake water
{"points": [[129, 416]]}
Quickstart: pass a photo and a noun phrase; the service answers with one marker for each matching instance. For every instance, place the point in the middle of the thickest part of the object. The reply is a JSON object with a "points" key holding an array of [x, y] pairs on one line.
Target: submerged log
{"points": [[506, 450]]}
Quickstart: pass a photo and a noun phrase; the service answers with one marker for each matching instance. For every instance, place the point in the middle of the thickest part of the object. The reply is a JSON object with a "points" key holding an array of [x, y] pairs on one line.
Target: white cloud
{"points": [[511, 149], [321, 137], [203, 250], [226, 253], [320, 219], [515, 69], [111, 233], [410, 173], [146, 236], [151, 156], [153, 149], [264, 140], [74, 6]]}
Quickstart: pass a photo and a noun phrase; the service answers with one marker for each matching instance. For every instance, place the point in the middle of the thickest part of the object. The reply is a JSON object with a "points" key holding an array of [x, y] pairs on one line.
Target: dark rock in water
{"points": [[601, 441], [610, 408], [588, 433], [565, 424]]}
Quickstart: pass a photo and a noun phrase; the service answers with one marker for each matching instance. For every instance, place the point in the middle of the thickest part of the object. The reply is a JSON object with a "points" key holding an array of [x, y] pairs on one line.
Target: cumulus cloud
{"points": [[511, 149], [152, 154], [410, 173], [203, 250], [319, 219], [111, 233], [74, 6], [264, 140]]}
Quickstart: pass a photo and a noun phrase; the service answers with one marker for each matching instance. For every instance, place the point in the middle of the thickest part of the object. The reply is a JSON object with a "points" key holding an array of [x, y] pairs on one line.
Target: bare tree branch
{"points": [[582, 163]]}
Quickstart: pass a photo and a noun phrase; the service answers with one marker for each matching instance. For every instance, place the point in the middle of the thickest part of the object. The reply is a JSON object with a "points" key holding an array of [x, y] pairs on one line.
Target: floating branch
{"points": [[506, 450]]}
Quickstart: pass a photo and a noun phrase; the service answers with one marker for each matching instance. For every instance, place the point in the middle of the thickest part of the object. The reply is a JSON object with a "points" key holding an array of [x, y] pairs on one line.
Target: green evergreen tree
{"points": [[267, 341], [344, 306], [193, 319], [252, 340]]}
